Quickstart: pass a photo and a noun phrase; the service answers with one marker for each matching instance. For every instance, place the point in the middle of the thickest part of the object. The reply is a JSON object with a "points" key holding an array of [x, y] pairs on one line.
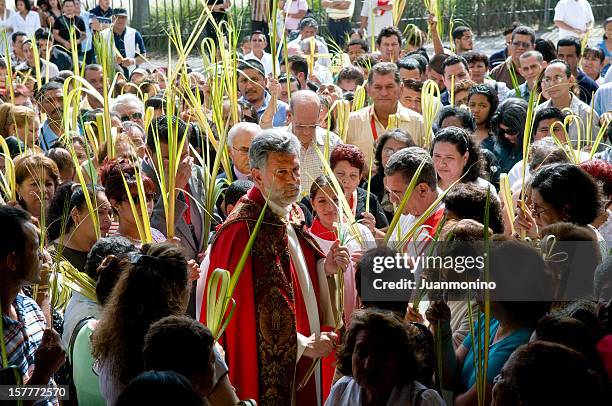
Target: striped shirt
{"points": [[260, 10], [23, 336]]}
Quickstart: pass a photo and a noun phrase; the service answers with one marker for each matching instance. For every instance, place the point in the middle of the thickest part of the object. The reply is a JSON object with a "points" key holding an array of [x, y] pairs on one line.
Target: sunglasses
{"points": [[134, 116], [507, 131]]}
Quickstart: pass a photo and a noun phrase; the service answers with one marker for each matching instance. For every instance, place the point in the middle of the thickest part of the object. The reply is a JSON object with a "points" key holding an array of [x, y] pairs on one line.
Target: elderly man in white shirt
{"points": [[573, 17], [303, 116]]}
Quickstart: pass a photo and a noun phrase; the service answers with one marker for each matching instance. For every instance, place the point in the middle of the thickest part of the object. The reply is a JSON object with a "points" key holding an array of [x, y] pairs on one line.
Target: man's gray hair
{"points": [[308, 22], [406, 161], [272, 141], [238, 128], [127, 99]]}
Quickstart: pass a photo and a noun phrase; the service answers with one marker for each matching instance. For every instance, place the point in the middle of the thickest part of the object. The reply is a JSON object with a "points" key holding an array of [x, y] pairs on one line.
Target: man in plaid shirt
{"points": [[31, 348]]}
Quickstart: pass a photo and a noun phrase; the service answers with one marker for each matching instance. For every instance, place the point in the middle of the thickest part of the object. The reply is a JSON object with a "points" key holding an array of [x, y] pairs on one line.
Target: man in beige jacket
{"points": [[368, 124]]}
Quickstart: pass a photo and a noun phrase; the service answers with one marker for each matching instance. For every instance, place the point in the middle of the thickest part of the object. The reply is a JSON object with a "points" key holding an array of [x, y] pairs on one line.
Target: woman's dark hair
{"points": [[547, 48], [107, 275], [520, 269], [157, 388], [544, 373], [489, 92], [572, 277], [365, 275], [68, 196], [573, 334], [319, 183], [115, 245], [191, 358], [349, 153], [513, 114], [391, 330], [469, 201], [461, 139], [26, 4], [398, 135], [570, 190], [153, 286], [465, 117]]}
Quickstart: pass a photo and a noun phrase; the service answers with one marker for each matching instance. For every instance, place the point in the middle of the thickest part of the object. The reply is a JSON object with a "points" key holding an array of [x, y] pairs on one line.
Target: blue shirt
{"points": [[445, 98], [603, 99], [498, 352], [607, 54], [587, 87], [47, 136], [525, 93], [280, 117]]}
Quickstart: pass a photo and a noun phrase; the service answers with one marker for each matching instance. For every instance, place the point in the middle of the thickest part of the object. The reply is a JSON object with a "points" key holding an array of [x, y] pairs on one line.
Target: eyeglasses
{"points": [[134, 116], [555, 79], [538, 213], [305, 126], [521, 44]]}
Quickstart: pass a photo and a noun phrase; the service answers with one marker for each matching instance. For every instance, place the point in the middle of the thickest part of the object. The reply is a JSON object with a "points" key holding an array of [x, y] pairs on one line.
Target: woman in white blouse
{"points": [[24, 19], [5, 14]]}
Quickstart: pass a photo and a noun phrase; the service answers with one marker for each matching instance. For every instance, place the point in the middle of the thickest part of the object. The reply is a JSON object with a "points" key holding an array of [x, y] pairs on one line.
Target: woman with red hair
{"points": [[112, 176], [348, 164], [601, 171]]}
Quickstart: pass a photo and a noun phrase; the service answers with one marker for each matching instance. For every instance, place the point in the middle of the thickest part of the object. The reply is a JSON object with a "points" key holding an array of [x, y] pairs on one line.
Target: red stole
{"points": [[320, 231], [328, 364], [433, 221], [260, 341]]}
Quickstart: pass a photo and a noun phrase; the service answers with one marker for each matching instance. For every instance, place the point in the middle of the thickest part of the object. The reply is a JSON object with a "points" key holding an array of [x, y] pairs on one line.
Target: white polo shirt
{"points": [[382, 19], [576, 13]]}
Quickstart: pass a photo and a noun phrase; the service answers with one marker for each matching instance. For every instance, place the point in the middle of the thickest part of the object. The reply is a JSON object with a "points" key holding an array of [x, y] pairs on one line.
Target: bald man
{"points": [[303, 116]]}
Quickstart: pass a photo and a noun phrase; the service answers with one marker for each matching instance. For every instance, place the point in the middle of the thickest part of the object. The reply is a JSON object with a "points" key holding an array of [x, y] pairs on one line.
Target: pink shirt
{"points": [[292, 7]]}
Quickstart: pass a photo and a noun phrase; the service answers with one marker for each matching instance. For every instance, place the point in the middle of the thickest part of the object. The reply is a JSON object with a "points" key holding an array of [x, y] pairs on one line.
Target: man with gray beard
{"points": [[283, 297]]}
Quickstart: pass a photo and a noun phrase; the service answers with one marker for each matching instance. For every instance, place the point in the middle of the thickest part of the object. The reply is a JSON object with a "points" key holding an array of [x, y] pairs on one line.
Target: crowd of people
{"points": [[106, 288]]}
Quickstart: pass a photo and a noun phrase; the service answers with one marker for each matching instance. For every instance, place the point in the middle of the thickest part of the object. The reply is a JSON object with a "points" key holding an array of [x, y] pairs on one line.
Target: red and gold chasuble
{"points": [[260, 341]]}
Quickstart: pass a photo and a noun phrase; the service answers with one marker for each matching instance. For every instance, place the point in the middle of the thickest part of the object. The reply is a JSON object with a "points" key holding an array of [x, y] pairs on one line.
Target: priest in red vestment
{"points": [[284, 294]]}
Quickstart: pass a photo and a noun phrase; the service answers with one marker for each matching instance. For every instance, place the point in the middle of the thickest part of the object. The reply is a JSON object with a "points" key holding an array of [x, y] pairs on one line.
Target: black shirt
{"points": [[218, 16], [64, 23], [61, 59]]}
